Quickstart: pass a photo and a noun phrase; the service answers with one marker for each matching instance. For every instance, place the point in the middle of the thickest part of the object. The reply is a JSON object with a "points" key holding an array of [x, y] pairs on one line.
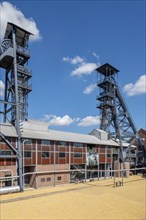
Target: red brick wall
{"points": [[43, 179], [45, 164], [7, 162]]}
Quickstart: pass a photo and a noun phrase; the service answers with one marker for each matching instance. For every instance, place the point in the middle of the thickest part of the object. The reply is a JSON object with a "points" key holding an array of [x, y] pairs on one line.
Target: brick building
{"points": [[53, 157], [142, 134]]}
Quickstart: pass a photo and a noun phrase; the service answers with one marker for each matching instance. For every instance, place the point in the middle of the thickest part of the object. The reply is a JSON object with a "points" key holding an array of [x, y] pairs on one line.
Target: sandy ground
{"points": [[90, 200]]}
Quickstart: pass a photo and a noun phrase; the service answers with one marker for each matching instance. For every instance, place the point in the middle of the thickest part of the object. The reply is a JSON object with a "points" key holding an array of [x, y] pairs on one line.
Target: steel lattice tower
{"points": [[14, 55], [115, 117]]}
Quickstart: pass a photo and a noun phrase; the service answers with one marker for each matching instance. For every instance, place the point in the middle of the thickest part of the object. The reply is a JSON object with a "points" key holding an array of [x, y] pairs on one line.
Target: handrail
{"points": [[60, 171], [6, 170], [24, 69], [6, 43], [23, 50]]}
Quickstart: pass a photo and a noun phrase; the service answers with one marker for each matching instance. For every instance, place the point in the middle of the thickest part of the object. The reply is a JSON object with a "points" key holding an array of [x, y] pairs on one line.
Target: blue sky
{"points": [[71, 39]]}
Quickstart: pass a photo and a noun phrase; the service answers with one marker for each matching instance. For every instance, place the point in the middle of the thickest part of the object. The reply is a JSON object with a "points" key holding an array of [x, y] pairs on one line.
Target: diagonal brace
{"points": [[9, 144]]}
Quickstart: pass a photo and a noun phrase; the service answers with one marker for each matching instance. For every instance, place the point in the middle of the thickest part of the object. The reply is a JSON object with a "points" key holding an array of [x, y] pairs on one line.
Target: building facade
{"points": [[142, 134], [55, 157]]}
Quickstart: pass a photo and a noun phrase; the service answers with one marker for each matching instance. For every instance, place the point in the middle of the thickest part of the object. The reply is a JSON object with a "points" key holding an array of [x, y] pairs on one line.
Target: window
{"points": [[28, 141], [27, 153], [48, 179], [77, 155], [59, 178], [115, 150], [78, 144], [62, 143], [45, 154], [109, 155], [45, 142], [5, 152], [62, 154], [42, 180]]}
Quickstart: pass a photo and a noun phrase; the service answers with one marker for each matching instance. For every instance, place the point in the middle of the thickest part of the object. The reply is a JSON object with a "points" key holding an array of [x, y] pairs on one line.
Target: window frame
{"points": [[78, 157], [4, 152], [48, 179], [78, 145], [62, 156], [27, 152], [43, 180], [45, 142], [62, 145], [28, 141], [44, 152]]}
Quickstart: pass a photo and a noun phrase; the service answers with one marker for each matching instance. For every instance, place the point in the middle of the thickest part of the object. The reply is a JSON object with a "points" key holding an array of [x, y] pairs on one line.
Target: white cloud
{"points": [[89, 121], [2, 88], [95, 55], [84, 69], [90, 88], [139, 87], [75, 60], [54, 120], [9, 13]]}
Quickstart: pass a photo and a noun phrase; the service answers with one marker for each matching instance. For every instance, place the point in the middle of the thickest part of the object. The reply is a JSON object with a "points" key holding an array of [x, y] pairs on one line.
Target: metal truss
{"points": [[14, 56], [115, 117]]}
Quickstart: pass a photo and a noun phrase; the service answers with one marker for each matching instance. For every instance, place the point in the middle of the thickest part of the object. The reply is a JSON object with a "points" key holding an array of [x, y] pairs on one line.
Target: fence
{"points": [[76, 176]]}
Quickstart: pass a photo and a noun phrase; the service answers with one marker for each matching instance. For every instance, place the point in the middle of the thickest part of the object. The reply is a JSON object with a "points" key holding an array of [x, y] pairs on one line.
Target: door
{"points": [[9, 181], [26, 177]]}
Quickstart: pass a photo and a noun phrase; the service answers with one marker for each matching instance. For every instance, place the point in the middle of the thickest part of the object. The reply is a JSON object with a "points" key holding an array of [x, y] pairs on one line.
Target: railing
{"points": [[22, 85], [24, 70], [91, 174], [8, 156], [106, 94], [106, 80], [5, 45], [6, 178], [106, 103], [131, 155], [88, 175], [23, 50]]}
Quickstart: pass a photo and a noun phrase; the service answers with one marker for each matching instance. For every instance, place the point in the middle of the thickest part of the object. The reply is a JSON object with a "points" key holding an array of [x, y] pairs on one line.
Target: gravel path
{"points": [[91, 200]]}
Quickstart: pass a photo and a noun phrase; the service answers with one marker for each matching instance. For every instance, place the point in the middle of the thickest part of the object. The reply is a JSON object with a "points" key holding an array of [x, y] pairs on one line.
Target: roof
{"points": [[39, 130], [107, 69], [21, 34], [8, 130], [142, 131], [101, 131]]}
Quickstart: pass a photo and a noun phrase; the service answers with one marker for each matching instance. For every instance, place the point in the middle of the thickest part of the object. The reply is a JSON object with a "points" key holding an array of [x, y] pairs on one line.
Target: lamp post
{"points": [[25, 140]]}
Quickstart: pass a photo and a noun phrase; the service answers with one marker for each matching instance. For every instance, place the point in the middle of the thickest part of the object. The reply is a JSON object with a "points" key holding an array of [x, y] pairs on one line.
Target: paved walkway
{"points": [[91, 200]]}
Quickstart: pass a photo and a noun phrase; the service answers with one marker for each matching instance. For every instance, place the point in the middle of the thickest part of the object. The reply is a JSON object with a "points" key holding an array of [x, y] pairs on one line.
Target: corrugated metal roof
{"points": [[28, 132], [8, 130], [66, 136]]}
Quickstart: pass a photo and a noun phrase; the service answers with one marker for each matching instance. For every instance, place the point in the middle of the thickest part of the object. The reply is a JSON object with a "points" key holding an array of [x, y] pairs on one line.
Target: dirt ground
{"points": [[91, 200]]}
